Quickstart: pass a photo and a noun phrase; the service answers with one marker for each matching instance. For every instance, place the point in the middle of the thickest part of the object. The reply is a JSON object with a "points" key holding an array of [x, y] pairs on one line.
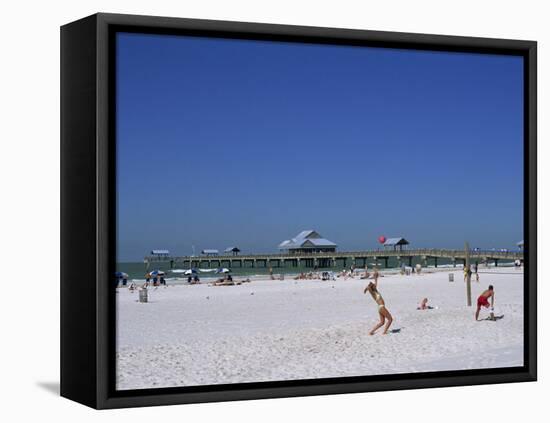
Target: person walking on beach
{"points": [[375, 277], [475, 272], [483, 301], [385, 316]]}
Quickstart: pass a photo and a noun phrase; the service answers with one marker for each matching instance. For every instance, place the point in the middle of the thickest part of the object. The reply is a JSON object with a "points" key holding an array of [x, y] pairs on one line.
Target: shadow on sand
{"points": [[495, 319]]}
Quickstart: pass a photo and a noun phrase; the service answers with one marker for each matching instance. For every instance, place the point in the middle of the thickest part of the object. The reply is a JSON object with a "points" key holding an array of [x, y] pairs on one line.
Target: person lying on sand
{"points": [[483, 301], [366, 274], [222, 282], [385, 316]]}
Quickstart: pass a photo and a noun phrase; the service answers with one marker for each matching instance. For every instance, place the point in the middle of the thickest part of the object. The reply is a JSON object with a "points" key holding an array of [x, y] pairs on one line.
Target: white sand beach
{"points": [[279, 330]]}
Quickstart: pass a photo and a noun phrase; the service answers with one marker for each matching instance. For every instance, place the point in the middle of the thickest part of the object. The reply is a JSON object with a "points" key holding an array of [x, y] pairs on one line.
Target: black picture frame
{"points": [[88, 219]]}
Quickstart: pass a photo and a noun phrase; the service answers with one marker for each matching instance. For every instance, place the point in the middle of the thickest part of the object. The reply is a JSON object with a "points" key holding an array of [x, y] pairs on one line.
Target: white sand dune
{"points": [[281, 330]]}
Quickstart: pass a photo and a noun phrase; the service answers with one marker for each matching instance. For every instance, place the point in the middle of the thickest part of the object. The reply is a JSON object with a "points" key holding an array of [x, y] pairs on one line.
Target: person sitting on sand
{"points": [[483, 301], [382, 310], [424, 305]]}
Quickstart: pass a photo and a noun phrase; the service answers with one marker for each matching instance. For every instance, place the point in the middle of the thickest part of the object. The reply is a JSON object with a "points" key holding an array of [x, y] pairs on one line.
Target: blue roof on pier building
{"points": [[306, 239]]}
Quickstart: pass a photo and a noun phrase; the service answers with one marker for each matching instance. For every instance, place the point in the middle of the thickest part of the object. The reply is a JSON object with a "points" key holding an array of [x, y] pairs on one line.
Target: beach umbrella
{"points": [[121, 275], [223, 270]]}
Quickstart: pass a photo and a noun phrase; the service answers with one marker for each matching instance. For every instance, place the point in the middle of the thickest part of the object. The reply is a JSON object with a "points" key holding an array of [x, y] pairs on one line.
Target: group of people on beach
{"points": [[324, 276], [485, 300], [227, 280], [156, 280]]}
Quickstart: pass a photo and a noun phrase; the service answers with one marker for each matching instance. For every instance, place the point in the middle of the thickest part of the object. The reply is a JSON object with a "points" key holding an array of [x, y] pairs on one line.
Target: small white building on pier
{"points": [[232, 250], [160, 253], [396, 243], [521, 245], [309, 241]]}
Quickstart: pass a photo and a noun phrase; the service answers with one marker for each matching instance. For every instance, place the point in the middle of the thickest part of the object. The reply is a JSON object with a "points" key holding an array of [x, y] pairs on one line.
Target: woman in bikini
{"points": [[385, 316]]}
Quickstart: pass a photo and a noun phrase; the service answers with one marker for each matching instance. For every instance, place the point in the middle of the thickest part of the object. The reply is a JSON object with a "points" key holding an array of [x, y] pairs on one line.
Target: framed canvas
{"points": [[256, 211]]}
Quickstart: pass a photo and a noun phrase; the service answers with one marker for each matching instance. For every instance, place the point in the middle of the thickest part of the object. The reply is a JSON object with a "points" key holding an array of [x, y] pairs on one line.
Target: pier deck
{"points": [[347, 258]]}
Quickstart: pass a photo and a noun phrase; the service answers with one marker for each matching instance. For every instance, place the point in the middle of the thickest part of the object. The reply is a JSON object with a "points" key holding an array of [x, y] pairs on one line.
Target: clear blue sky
{"points": [[231, 142]]}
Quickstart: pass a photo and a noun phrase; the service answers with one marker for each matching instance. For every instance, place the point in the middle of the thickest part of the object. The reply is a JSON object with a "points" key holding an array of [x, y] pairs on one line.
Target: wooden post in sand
{"points": [[468, 274]]}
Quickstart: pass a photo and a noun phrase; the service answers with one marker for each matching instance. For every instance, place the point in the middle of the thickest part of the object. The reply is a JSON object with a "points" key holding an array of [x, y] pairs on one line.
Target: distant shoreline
{"points": [[291, 273]]}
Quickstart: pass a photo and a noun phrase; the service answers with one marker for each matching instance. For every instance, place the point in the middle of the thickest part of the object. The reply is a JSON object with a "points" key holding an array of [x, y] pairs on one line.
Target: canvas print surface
{"points": [[301, 211]]}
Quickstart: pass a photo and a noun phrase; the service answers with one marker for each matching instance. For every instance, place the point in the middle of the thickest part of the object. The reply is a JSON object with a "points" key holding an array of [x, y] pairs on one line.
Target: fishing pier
{"points": [[338, 259]]}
